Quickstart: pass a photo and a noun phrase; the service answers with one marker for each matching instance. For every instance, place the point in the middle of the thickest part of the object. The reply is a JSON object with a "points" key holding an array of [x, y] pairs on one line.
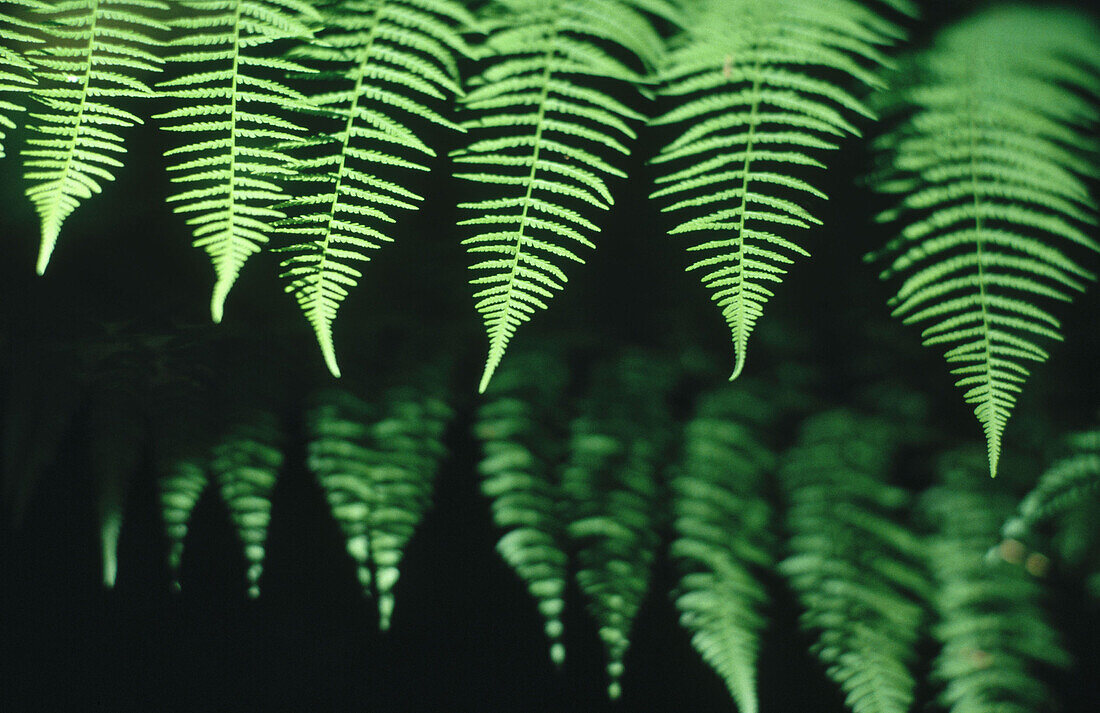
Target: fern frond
{"points": [[989, 153], [519, 428], [545, 119], [180, 489], [93, 56], [992, 627], [722, 534], [16, 73], [857, 570], [377, 466], [615, 450], [1061, 487], [236, 106], [246, 464], [762, 89], [383, 62]]}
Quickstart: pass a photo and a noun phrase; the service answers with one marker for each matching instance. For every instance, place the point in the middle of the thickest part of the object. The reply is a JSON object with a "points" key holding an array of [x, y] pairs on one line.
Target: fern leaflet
{"points": [[756, 110], [544, 118], [988, 154], [16, 73], [380, 52], [93, 53], [233, 170]]}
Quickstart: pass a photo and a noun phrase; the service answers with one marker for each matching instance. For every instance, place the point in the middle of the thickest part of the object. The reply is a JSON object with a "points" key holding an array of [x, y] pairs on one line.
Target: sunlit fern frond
{"points": [[615, 450], [996, 638], [235, 110], [179, 490], [857, 570], [519, 426], [377, 465], [547, 118], [993, 144], [721, 533], [762, 89], [386, 67], [246, 464], [16, 73], [1066, 484], [93, 58]]}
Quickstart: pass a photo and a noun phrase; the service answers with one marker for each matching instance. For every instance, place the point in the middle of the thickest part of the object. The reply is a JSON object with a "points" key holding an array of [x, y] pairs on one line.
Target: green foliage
{"points": [[856, 568], [615, 449], [991, 150], [519, 426], [991, 624], [377, 465], [235, 104], [552, 66], [16, 73], [93, 55], [721, 533], [376, 52], [179, 490], [246, 464], [746, 79]]}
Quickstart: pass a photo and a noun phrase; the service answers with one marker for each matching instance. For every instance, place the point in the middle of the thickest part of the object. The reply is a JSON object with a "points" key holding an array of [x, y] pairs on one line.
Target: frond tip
{"points": [[987, 156]]}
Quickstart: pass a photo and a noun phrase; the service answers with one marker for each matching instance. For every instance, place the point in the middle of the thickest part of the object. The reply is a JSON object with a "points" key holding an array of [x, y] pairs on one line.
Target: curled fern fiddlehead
{"points": [[722, 535], [518, 427], [544, 119], [388, 57], [234, 168], [989, 154], [755, 114], [93, 56]]}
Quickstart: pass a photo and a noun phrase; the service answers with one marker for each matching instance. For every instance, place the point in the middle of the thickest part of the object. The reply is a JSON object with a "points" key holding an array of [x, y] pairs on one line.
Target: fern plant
{"points": [[722, 534], [93, 56], [856, 567], [235, 107], [377, 53], [755, 111], [545, 117], [991, 152], [16, 73]]}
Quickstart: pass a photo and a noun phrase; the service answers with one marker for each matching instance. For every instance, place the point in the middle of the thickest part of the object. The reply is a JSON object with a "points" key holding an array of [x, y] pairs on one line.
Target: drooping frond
{"points": [[989, 152], [235, 109], [180, 489], [520, 426], [994, 633], [93, 57], [377, 465], [856, 569], [245, 464], [615, 451], [384, 64], [546, 119], [1061, 487], [16, 73], [722, 535], [762, 88]]}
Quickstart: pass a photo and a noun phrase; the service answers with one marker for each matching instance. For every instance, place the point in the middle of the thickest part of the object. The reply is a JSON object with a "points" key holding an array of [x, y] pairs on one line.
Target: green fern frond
{"points": [[518, 427], [722, 535], [545, 119], [180, 489], [615, 451], [990, 155], [762, 89], [93, 55], [236, 106], [994, 632], [857, 570], [377, 466], [1061, 487], [16, 73], [383, 62], [246, 464]]}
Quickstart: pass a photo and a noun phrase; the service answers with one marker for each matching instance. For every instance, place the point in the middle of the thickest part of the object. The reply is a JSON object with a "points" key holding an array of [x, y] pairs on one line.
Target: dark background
{"points": [[124, 306]]}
